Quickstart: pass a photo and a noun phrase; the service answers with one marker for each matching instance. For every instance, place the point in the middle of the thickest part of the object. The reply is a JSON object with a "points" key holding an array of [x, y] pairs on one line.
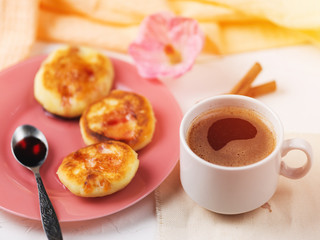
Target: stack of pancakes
{"points": [[76, 82]]}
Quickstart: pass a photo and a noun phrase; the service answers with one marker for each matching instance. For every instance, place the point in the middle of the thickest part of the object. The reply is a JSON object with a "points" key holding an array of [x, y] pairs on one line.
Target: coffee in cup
{"points": [[231, 136]]}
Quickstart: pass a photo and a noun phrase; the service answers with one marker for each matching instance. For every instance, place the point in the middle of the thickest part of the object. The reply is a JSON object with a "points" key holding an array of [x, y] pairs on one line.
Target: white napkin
{"points": [[292, 213]]}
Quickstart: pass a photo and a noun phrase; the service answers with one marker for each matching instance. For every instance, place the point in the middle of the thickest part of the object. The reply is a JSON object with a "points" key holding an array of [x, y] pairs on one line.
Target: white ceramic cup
{"points": [[234, 190]]}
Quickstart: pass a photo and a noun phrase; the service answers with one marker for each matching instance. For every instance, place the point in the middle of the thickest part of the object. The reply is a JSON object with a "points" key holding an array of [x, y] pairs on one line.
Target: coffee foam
{"points": [[236, 152]]}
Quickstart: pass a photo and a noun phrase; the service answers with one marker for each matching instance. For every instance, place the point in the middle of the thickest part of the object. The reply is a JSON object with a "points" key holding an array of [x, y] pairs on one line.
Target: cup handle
{"points": [[296, 144]]}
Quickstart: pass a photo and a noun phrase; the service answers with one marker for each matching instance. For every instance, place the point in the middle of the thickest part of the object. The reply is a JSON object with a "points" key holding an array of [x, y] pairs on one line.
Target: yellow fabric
{"points": [[231, 26], [18, 26], [75, 29]]}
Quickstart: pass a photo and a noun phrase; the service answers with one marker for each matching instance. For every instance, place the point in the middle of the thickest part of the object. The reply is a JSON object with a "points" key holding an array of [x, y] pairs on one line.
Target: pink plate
{"points": [[19, 194]]}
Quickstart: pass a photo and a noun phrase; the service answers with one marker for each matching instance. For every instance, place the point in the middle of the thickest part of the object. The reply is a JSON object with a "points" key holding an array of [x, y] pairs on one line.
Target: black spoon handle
{"points": [[49, 218]]}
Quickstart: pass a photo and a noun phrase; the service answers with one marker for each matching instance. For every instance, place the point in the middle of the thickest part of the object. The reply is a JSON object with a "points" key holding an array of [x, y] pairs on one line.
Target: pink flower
{"points": [[166, 46]]}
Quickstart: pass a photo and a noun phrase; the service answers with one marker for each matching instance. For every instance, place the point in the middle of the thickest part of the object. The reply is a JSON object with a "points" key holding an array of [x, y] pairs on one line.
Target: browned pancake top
{"points": [[123, 116], [73, 76], [98, 165]]}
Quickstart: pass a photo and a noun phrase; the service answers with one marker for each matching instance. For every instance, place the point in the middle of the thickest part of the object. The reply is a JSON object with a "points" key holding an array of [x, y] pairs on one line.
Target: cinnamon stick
{"points": [[244, 84], [262, 89]]}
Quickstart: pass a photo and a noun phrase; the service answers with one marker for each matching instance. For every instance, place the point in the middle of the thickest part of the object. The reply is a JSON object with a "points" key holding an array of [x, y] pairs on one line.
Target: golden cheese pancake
{"points": [[71, 78], [123, 116], [99, 169]]}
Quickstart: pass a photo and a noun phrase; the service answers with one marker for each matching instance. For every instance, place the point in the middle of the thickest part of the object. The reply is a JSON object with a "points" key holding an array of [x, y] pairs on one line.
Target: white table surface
{"points": [[297, 72]]}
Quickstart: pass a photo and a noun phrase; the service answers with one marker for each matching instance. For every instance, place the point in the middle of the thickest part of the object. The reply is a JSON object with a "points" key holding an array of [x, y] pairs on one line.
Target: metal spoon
{"points": [[39, 151]]}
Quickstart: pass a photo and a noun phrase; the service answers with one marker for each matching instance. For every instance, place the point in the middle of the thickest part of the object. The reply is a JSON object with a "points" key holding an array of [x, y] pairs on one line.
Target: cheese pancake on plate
{"points": [[99, 169], [123, 116], [71, 78]]}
